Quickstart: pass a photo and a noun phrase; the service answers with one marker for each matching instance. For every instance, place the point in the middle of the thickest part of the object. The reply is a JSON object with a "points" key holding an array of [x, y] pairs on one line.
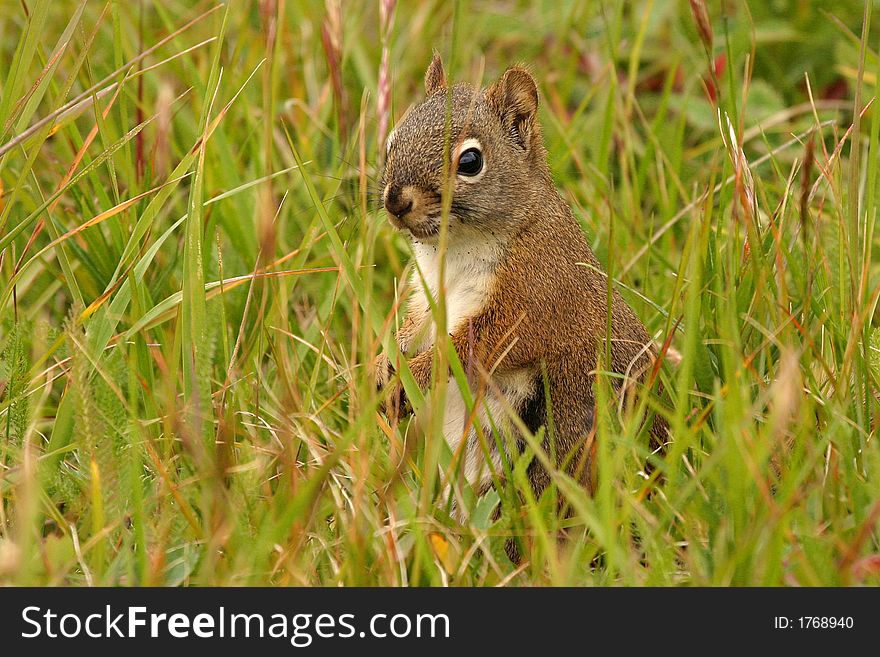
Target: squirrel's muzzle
{"points": [[398, 200]]}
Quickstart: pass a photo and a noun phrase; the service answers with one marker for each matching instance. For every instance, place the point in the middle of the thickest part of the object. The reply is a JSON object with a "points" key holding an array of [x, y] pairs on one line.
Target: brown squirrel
{"points": [[524, 293]]}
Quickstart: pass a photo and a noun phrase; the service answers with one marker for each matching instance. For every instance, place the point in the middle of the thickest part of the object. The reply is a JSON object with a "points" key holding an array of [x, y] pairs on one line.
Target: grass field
{"points": [[195, 276]]}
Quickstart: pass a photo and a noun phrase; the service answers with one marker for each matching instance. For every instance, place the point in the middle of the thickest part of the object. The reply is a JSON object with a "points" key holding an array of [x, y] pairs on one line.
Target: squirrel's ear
{"points": [[435, 78], [515, 99]]}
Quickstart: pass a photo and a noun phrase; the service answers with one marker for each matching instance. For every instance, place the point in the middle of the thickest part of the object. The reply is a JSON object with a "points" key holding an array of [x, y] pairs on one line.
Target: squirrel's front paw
{"points": [[394, 402], [383, 370]]}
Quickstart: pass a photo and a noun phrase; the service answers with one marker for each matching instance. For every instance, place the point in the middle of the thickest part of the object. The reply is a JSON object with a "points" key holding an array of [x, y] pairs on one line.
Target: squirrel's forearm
{"points": [[468, 346], [421, 366], [408, 333]]}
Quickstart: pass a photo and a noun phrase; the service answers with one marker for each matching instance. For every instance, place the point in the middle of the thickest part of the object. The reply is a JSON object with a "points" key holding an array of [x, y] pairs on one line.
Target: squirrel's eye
{"points": [[470, 162]]}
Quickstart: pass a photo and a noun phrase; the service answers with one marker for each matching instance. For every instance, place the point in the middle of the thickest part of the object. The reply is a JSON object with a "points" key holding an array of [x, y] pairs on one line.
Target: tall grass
{"points": [[195, 278]]}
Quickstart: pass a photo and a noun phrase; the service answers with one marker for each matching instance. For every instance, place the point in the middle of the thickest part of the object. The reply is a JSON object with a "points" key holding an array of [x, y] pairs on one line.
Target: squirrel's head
{"points": [[496, 159]]}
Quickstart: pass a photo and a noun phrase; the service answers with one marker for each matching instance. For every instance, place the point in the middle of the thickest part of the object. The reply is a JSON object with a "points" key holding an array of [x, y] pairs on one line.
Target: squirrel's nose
{"points": [[397, 201]]}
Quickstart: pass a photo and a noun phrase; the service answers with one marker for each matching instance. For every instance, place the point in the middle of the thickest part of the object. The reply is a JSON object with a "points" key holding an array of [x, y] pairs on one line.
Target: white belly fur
{"points": [[494, 411], [468, 282]]}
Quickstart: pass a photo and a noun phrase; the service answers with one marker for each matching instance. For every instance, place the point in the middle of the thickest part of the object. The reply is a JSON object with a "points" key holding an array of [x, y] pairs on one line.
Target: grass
{"points": [[195, 276]]}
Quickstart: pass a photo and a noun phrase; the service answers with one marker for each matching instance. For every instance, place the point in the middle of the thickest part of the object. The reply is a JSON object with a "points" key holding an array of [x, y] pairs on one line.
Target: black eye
{"points": [[470, 163]]}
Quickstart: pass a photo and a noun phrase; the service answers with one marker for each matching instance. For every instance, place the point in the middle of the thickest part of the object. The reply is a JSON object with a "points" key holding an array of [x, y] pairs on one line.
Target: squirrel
{"points": [[526, 300]]}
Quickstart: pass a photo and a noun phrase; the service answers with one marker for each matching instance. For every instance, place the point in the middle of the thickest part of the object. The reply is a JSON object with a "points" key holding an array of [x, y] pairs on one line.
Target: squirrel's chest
{"points": [[467, 283]]}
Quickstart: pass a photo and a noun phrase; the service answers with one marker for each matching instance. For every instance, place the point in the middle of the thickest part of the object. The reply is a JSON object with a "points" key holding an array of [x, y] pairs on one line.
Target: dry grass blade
{"points": [[84, 100]]}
